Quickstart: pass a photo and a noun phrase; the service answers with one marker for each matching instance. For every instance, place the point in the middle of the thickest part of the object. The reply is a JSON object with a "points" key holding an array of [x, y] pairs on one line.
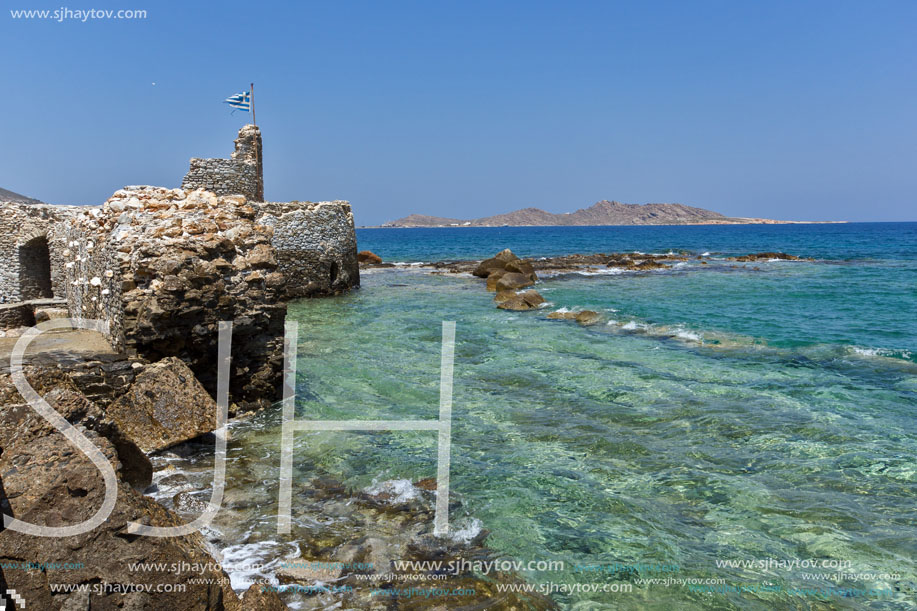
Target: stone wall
{"points": [[164, 266], [242, 174], [316, 246], [31, 247]]}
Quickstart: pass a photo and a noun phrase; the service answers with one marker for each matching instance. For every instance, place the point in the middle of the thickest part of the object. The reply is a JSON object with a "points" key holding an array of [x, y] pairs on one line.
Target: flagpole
{"points": [[253, 105]]}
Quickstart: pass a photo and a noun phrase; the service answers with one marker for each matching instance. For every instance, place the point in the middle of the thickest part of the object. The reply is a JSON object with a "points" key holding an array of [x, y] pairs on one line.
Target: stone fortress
{"points": [[163, 266], [241, 174]]}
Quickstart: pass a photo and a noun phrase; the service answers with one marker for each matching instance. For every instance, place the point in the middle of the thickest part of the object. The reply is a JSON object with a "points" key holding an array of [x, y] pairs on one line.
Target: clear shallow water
{"points": [[716, 413]]}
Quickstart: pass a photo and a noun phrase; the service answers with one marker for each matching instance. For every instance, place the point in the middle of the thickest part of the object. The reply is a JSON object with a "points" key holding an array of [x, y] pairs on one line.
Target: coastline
{"points": [[380, 512], [738, 222]]}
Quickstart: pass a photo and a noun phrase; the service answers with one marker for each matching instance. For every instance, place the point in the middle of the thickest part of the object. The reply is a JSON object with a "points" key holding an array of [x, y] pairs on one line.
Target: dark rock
{"points": [[494, 277], [15, 315], [259, 597], [164, 406], [513, 280], [428, 483], [48, 482], [649, 264], [496, 262], [508, 300], [765, 256], [19, 422], [522, 267]]}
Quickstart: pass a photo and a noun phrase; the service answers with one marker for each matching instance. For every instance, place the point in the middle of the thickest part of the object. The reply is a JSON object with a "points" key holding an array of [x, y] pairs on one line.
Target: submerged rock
{"points": [[584, 317], [164, 406], [347, 563], [764, 256]]}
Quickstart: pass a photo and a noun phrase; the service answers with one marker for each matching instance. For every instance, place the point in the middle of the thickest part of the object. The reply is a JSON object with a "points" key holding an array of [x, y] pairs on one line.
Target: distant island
{"points": [[600, 213], [10, 196]]}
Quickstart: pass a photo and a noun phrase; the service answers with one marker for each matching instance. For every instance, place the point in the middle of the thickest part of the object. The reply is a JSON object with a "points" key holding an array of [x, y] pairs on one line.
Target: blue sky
{"points": [[792, 110]]}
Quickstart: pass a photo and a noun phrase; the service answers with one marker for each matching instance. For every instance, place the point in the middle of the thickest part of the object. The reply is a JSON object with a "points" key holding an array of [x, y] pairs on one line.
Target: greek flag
{"points": [[240, 101]]}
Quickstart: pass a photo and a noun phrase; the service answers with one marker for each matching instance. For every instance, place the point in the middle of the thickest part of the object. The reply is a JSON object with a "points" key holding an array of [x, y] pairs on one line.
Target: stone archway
{"points": [[35, 269]]}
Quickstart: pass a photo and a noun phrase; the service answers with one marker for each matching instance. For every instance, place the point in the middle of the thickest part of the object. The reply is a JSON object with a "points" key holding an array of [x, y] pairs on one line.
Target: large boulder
{"points": [[519, 266], [165, 405], [19, 422], [494, 277], [506, 272], [44, 480], [513, 280], [368, 256], [509, 300], [496, 262]]}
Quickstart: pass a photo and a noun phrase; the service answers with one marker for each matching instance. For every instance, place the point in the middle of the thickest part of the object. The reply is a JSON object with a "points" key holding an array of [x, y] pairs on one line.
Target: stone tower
{"points": [[242, 174], [248, 150]]}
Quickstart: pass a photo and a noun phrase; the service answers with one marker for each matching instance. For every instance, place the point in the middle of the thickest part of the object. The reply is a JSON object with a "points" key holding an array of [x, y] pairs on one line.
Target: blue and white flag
{"points": [[240, 101]]}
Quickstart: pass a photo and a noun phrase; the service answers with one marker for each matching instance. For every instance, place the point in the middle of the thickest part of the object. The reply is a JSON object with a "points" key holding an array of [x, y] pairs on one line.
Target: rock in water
{"points": [[765, 256], [587, 317], [493, 278], [521, 267], [368, 256], [164, 406], [496, 262], [513, 280], [584, 317], [508, 300]]}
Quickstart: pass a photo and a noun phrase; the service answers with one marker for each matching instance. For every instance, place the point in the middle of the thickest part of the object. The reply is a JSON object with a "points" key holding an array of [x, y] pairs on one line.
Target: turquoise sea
{"points": [[744, 432]]}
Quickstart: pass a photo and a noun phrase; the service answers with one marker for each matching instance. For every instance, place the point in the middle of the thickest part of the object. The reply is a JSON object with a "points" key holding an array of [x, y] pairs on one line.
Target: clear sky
{"points": [[791, 110]]}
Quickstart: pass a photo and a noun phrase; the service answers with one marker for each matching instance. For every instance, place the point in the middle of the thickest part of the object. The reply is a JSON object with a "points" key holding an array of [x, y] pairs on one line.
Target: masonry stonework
{"points": [[316, 246], [31, 263], [242, 174], [164, 266]]}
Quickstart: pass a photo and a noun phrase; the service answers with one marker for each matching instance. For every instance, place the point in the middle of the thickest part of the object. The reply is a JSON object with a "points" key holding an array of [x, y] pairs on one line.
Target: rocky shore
{"points": [[511, 277], [45, 481], [158, 269], [162, 267]]}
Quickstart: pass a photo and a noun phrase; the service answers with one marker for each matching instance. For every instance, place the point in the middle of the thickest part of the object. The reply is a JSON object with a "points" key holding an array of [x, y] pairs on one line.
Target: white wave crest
{"points": [[401, 490]]}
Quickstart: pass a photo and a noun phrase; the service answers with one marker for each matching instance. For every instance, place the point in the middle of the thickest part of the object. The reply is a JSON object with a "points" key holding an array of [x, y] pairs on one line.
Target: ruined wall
{"points": [[316, 246], [31, 250], [242, 174], [164, 267]]}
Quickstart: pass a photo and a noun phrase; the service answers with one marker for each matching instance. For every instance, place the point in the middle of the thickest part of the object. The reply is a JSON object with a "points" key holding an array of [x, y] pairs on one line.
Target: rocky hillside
{"points": [[9, 196], [601, 213]]}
